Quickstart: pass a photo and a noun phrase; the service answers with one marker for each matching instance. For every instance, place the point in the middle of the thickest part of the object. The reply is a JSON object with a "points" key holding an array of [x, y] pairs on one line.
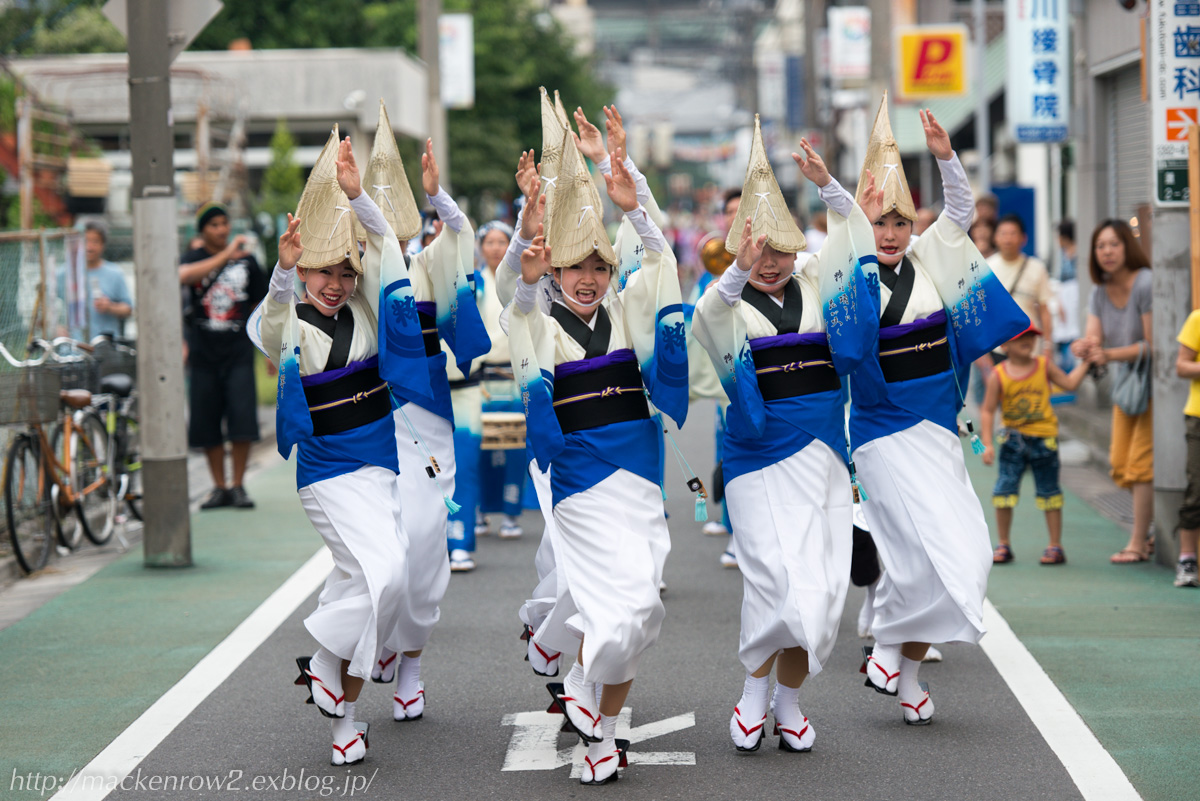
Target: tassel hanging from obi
{"points": [[976, 444], [860, 494]]}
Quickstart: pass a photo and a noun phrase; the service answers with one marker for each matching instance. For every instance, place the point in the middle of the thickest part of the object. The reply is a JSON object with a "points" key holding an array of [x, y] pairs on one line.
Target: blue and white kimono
{"points": [[611, 531], [424, 423], [787, 482], [346, 480], [923, 513]]}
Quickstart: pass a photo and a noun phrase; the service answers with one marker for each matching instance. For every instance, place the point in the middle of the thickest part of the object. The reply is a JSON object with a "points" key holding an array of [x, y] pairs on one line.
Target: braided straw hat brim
{"points": [[883, 160], [762, 200], [387, 184], [326, 219], [576, 230]]}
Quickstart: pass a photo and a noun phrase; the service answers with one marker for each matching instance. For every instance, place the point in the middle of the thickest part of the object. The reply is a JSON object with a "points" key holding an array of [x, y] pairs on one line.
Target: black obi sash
{"points": [[429, 332], [609, 394], [347, 402], [790, 370], [916, 354]]}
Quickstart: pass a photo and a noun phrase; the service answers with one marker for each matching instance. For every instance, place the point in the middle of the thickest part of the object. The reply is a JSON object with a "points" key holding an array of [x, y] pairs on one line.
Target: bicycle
{"points": [[74, 494], [116, 405]]}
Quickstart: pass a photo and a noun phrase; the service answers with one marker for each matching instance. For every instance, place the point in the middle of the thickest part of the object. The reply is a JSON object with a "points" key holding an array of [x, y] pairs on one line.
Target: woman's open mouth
{"points": [[331, 298], [585, 295]]}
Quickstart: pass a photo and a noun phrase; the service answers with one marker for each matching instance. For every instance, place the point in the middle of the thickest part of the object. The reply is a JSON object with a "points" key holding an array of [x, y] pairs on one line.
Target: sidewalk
{"points": [[81, 668], [1118, 641]]}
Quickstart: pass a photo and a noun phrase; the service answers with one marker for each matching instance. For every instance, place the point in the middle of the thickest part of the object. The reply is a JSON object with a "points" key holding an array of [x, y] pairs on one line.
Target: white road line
{"points": [[122, 756], [1094, 771]]}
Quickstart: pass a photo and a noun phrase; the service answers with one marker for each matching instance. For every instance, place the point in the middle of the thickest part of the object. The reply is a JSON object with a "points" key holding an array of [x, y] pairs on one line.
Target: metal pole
{"points": [[983, 121], [167, 538], [427, 24], [25, 160]]}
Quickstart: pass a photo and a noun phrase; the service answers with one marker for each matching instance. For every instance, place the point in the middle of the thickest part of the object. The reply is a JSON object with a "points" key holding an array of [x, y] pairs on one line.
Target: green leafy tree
{"points": [[282, 183], [58, 26]]}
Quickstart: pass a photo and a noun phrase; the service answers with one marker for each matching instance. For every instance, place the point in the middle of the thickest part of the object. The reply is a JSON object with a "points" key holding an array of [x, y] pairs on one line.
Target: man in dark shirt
{"points": [[224, 284]]}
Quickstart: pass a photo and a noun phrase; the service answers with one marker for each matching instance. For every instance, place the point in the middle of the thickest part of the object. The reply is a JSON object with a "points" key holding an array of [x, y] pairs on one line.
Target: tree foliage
{"points": [[283, 181], [518, 47]]}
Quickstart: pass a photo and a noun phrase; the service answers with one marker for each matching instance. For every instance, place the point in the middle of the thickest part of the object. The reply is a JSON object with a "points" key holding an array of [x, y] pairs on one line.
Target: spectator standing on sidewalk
{"points": [[1118, 329], [1020, 387], [1066, 324], [1188, 366], [105, 292], [224, 283]]}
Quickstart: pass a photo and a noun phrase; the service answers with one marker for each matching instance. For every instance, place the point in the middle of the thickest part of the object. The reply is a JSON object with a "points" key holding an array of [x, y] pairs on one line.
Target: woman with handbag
{"points": [[1118, 330]]}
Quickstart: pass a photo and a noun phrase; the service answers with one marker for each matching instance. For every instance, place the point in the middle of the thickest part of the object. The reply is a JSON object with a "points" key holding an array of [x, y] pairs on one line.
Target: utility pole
{"points": [[25, 159], [983, 119], [428, 12], [167, 538]]}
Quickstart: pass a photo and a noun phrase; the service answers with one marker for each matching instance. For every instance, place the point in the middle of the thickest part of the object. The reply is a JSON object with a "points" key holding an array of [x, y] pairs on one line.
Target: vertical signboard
{"points": [[1174, 95], [1038, 97], [456, 60], [849, 43]]}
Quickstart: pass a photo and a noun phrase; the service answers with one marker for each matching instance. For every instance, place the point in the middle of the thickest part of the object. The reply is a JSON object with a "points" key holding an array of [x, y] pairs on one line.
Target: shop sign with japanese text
{"points": [[1039, 79], [1174, 94]]}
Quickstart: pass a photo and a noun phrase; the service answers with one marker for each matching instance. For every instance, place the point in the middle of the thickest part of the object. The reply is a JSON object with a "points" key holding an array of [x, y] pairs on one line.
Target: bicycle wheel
{"points": [[92, 477], [66, 521], [27, 505], [132, 462]]}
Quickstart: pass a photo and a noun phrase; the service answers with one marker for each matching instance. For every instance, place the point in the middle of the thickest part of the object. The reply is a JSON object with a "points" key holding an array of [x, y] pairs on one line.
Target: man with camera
{"points": [[223, 283]]}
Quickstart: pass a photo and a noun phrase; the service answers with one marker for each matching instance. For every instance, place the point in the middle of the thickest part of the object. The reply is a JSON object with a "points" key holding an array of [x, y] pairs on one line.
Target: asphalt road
{"points": [[258, 739]]}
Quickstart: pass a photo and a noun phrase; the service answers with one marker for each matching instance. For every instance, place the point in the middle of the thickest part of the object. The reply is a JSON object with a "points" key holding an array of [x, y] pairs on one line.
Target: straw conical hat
{"points": [[763, 202], [387, 184], [326, 219], [577, 228], [561, 111], [883, 160], [554, 126]]}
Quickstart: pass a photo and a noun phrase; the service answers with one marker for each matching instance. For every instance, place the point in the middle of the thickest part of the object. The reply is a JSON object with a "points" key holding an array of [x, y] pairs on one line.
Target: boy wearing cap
{"points": [[1020, 387], [225, 284]]}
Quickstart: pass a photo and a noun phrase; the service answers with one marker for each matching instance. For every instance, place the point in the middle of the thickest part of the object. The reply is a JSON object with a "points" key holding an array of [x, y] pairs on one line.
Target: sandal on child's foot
{"points": [[1053, 556], [1002, 554], [1128, 556]]}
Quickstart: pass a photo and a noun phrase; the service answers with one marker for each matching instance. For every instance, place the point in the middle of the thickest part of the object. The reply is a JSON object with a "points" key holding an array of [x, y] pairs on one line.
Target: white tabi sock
{"points": [[913, 701], [599, 695], [408, 677], [793, 726], [343, 728], [886, 657], [327, 667], [753, 704], [575, 676], [910, 686], [607, 747]]}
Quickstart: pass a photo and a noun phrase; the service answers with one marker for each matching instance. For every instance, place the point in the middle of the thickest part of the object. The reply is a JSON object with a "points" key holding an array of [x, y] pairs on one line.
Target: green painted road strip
{"points": [[83, 667], [1120, 641]]}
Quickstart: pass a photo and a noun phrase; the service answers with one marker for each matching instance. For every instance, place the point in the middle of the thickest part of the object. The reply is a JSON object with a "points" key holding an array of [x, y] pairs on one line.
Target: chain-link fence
{"points": [[33, 265]]}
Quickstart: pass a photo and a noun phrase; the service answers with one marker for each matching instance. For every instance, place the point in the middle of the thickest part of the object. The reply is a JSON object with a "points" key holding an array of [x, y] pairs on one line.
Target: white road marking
{"points": [[534, 742], [122, 756], [1094, 771]]}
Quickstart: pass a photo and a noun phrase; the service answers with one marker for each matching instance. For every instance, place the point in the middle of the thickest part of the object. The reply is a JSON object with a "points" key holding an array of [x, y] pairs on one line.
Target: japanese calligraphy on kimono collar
{"points": [[386, 183], [326, 219], [763, 203], [883, 160], [575, 223]]}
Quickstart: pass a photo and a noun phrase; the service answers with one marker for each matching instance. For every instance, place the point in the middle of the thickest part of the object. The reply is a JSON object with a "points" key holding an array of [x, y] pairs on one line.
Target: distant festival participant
{"points": [[940, 307], [585, 369], [780, 329], [445, 309]]}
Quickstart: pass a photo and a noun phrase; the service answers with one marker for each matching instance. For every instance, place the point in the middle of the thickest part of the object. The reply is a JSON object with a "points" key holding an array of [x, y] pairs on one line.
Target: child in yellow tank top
{"points": [[1020, 387]]}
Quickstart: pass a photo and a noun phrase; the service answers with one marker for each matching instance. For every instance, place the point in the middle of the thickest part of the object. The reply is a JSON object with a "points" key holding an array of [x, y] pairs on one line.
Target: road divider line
{"points": [[110, 767], [1094, 771]]}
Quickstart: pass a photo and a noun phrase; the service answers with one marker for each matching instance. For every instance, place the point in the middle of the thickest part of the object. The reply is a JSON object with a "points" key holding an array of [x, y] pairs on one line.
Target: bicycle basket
{"points": [[29, 395], [79, 373], [114, 360]]}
